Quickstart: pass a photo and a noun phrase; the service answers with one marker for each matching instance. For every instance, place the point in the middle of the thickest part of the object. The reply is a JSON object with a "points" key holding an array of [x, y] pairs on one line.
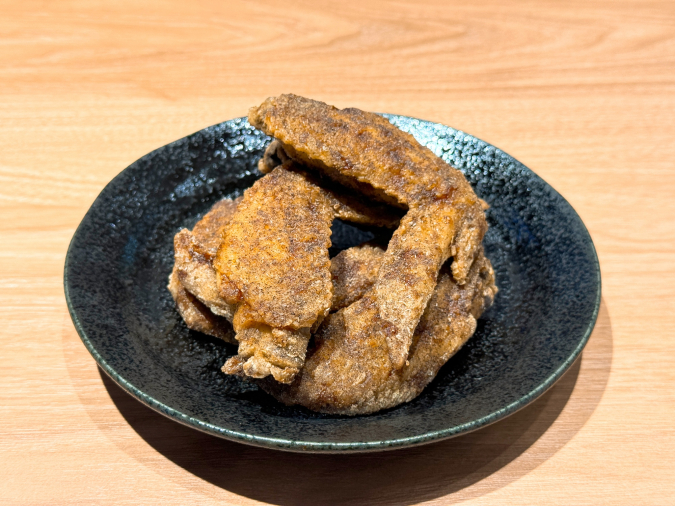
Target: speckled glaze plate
{"points": [[120, 257]]}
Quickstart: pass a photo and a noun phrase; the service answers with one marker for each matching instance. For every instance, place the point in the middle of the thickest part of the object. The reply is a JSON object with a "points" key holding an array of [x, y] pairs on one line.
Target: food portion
{"points": [[354, 272], [272, 267], [194, 252], [366, 152], [371, 327], [348, 370], [198, 316]]}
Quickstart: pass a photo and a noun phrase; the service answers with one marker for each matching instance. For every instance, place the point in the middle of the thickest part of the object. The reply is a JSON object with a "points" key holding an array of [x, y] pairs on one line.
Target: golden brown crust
{"points": [[354, 272], [273, 265], [273, 258], [359, 145], [365, 150], [407, 276], [207, 230], [196, 315], [195, 252], [348, 370]]}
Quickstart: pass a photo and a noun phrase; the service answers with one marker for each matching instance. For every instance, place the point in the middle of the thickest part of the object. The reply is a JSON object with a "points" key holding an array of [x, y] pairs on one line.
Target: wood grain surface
{"points": [[582, 92]]}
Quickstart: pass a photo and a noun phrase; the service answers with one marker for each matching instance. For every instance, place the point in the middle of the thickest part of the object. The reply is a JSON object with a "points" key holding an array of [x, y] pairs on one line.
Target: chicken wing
{"points": [[365, 151], [198, 316], [194, 252], [273, 267], [348, 370], [201, 307]]}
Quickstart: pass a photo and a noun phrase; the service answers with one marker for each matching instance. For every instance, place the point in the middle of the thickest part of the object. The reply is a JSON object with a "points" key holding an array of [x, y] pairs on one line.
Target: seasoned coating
{"points": [[273, 265], [273, 157], [354, 272], [356, 147], [273, 260], [207, 230], [366, 151], [347, 204], [408, 273], [194, 253], [348, 370], [196, 315]]}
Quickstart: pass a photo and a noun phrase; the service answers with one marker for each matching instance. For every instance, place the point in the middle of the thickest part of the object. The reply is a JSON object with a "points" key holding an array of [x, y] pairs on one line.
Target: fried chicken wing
{"points": [[365, 151], [273, 259], [194, 252], [361, 149], [347, 204], [198, 316], [201, 306], [273, 266], [354, 272], [194, 270], [348, 370]]}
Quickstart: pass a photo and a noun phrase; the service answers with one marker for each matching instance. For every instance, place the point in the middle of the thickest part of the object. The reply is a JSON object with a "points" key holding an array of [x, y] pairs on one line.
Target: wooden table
{"points": [[581, 92]]}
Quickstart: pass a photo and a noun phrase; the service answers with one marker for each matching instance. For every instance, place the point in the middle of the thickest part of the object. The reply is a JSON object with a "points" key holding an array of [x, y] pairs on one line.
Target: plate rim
{"points": [[335, 447]]}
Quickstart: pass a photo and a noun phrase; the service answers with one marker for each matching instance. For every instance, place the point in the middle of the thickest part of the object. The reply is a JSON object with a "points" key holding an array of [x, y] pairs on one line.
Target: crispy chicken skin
{"points": [[354, 272], [194, 252], [201, 306], [273, 266], [273, 259], [348, 370], [365, 151], [194, 269], [196, 315]]}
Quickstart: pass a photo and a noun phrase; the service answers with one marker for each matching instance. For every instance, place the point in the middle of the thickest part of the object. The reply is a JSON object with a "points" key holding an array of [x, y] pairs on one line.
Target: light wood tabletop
{"points": [[582, 92]]}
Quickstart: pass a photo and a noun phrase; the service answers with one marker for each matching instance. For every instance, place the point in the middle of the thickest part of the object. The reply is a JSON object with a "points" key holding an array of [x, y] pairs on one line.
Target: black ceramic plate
{"points": [[121, 255]]}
